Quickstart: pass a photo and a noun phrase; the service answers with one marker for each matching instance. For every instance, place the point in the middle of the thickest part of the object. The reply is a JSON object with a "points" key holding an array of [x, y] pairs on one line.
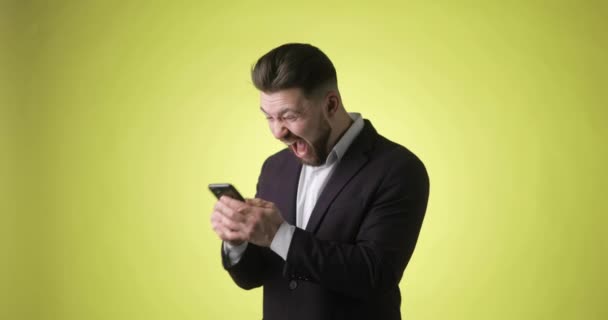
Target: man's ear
{"points": [[333, 102]]}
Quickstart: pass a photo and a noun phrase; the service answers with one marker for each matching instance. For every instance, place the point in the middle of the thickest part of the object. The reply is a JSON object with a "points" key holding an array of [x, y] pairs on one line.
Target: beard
{"points": [[318, 146]]}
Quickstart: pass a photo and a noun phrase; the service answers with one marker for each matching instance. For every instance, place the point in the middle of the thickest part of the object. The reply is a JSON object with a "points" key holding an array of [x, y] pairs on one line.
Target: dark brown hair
{"points": [[293, 65]]}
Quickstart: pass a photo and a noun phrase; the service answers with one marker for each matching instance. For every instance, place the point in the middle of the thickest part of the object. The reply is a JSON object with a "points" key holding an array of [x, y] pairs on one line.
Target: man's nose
{"points": [[278, 130]]}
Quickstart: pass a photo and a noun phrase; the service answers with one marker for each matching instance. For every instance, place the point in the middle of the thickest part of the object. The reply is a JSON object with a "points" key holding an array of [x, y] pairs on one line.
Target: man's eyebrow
{"points": [[282, 111]]}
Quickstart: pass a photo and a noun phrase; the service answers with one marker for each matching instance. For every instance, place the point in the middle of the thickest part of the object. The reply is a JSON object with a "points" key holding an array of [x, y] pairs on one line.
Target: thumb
{"points": [[259, 202], [254, 201]]}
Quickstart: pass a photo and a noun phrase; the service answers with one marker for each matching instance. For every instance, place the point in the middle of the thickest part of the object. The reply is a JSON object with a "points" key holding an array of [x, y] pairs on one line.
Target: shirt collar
{"points": [[346, 140]]}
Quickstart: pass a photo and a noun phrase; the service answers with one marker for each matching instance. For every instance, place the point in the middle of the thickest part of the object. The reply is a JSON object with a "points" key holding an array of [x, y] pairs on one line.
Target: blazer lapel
{"points": [[290, 178], [353, 160]]}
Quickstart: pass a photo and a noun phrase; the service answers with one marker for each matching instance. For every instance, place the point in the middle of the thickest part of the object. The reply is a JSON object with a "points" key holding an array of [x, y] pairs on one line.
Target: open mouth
{"points": [[299, 148]]}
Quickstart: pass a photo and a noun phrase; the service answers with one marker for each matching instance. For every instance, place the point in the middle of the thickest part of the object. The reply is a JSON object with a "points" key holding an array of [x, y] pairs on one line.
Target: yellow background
{"points": [[117, 114]]}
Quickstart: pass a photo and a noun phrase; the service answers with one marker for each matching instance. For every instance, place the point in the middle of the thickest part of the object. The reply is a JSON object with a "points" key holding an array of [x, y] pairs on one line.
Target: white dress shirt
{"points": [[312, 182]]}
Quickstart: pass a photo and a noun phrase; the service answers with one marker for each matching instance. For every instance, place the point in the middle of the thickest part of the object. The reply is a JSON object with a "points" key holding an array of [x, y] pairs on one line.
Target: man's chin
{"points": [[313, 161], [309, 160]]}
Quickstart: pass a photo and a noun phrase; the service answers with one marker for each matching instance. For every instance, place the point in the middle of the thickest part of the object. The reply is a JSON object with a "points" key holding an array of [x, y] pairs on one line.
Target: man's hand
{"points": [[255, 221]]}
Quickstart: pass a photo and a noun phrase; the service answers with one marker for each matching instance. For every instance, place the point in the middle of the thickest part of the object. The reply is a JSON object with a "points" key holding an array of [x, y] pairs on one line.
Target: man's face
{"points": [[299, 123]]}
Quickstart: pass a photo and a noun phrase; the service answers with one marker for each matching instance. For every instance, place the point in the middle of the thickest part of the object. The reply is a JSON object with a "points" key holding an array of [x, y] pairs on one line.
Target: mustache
{"points": [[289, 139]]}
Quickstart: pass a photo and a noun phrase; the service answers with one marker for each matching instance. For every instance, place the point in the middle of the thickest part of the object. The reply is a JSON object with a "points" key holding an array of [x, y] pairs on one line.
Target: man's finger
{"points": [[260, 203], [232, 203], [230, 224], [230, 235], [229, 212]]}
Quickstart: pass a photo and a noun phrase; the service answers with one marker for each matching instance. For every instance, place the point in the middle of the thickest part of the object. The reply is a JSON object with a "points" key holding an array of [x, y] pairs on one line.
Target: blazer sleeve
{"points": [[248, 273], [251, 270], [384, 244]]}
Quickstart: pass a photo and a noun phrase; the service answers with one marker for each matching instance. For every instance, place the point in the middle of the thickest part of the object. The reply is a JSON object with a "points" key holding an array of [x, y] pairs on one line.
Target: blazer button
{"points": [[293, 284]]}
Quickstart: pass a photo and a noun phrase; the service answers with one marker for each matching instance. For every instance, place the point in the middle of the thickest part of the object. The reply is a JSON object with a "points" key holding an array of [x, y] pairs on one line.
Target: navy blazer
{"points": [[349, 260]]}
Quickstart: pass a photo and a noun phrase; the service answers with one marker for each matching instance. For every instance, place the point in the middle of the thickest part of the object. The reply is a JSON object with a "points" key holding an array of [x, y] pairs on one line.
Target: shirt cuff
{"points": [[234, 252], [282, 239]]}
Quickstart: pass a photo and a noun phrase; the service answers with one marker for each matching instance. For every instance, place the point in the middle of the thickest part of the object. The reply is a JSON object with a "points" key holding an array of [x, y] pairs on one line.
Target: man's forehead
{"points": [[293, 94], [281, 101]]}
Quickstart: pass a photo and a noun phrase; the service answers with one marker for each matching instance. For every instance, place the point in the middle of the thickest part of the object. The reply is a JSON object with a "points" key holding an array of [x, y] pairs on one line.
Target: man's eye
{"points": [[290, 117]]}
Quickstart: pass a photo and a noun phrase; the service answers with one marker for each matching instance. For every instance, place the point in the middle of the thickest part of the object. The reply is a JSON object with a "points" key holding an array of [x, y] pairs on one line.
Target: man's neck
{"points": [[343, 124]]}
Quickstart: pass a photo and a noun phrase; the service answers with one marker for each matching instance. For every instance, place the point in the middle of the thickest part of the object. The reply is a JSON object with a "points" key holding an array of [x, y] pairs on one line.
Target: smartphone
{"points": [[225, 189]]}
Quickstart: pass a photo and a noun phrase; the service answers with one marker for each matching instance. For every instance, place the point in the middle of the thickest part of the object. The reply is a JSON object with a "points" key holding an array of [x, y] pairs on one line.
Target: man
{"points": [[336, 215]]}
